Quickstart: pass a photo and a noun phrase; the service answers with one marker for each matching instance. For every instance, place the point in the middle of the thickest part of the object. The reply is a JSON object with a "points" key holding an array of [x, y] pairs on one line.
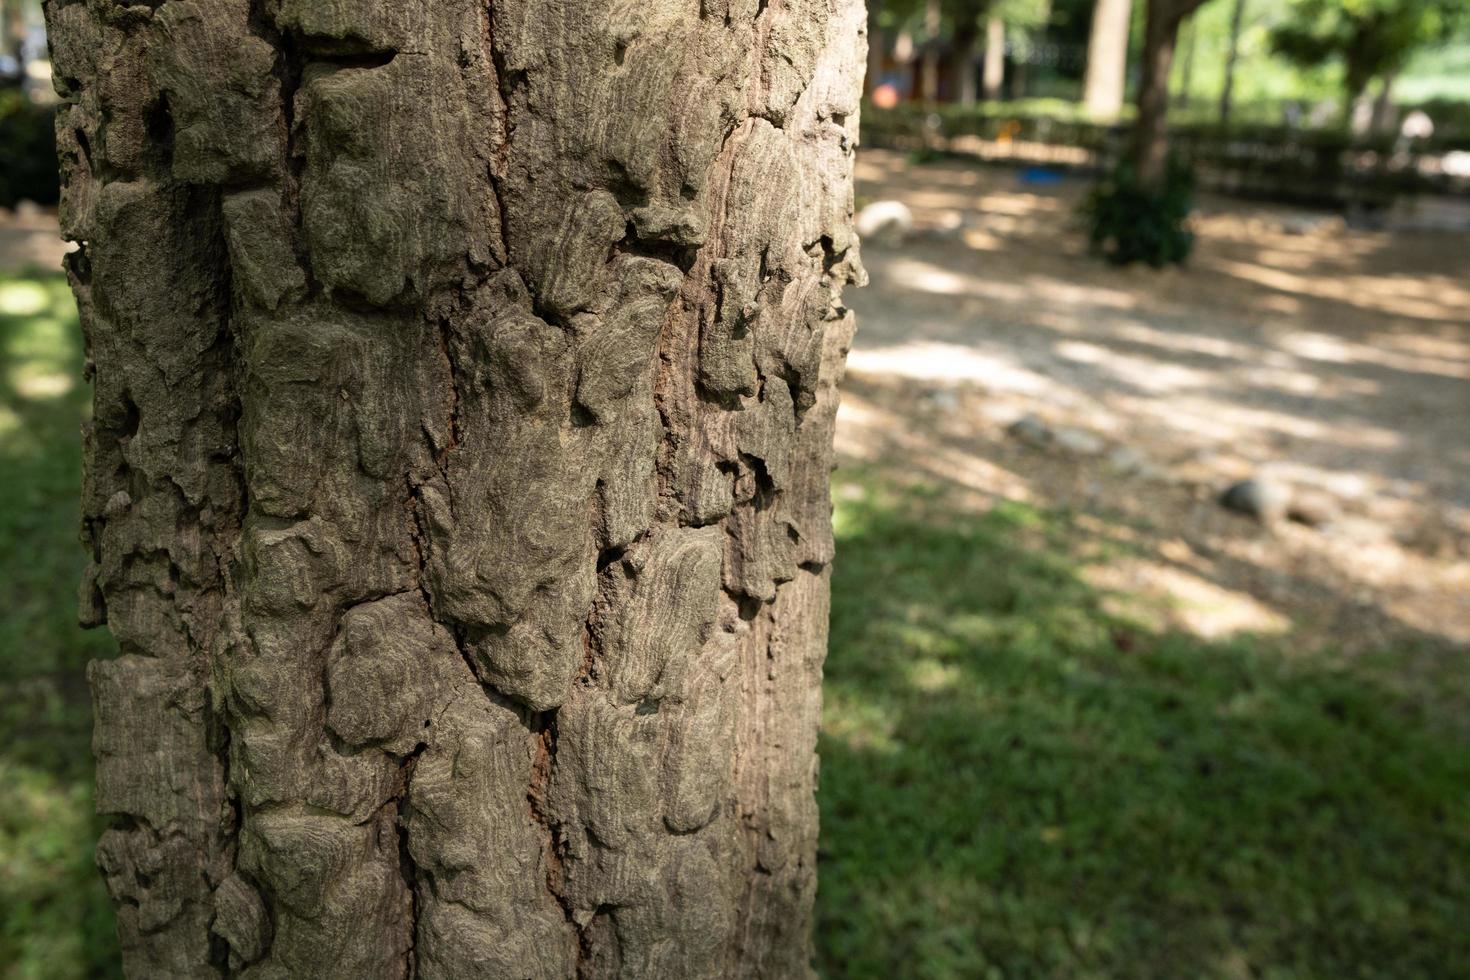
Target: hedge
{"points": [[1306, 165], [28, 167]]}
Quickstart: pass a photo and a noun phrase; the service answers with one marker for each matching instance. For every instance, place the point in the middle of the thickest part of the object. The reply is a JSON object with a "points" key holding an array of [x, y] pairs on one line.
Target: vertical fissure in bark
{"points": [[542, 726], [407, 868]]}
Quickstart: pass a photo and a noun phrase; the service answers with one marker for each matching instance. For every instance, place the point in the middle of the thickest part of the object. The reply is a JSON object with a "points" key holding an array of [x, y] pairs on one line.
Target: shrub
{"points": [[28, 167], [1129, 222]]}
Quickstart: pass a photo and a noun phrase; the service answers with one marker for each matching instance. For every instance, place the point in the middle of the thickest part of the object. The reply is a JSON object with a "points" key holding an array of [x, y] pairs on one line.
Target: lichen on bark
{"points": [[456, 490]]}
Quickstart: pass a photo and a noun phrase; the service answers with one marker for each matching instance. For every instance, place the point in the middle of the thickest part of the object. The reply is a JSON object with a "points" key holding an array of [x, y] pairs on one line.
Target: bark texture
{"points": [[457, 489]]}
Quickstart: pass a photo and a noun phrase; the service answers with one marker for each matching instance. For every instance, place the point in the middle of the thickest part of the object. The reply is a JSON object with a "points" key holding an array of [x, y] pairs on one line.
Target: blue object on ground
{"points": [[1040, 176]]}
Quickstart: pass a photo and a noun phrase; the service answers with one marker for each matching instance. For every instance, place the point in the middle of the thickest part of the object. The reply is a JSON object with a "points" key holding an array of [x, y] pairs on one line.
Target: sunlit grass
{"points": [[1018, 783], [54, 919], [23, 298]]}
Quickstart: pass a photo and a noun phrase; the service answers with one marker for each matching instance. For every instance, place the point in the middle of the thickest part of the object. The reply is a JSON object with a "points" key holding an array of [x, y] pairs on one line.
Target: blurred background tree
{"points": [[1107, 58], [1372, 40]]}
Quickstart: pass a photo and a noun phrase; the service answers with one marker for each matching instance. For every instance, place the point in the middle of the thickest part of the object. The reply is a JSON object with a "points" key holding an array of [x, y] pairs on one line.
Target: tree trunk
{"points": [[457, 487], [1227, 94], [1384, 115], [15, 30], [963, 46], [1150, 149], [877, 47], [1186, 68], [929, 63], [1107, 58], [995, 58]]}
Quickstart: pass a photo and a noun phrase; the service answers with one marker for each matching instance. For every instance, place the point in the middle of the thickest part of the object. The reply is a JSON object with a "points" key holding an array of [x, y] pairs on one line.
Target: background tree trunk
{"points": [[1186, 68], [14, 16], [1384, 120], [1150, 144], [929, 62], [457, 488], [877, 47], [1107, 58], [1227, 94], [966, 32], [995, 58]]}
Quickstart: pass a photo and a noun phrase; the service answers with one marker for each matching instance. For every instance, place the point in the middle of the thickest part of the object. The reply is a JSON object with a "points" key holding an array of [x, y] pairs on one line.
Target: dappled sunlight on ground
{"points": [[1333, 359], [1196, 605], [1057, 743]]}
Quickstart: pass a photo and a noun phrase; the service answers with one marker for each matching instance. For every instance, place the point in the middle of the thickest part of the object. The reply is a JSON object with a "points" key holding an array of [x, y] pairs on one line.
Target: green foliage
{"points": [[926, 153], [1370, 38], [54, 918], [1130, 222], [1018, 783], [1437, 79], [28, 167], [1263, 80]]}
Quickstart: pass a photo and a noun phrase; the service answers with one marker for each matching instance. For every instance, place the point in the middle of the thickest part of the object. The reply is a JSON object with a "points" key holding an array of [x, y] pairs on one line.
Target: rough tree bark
{"points": [[457, 488], [1107, 58]]}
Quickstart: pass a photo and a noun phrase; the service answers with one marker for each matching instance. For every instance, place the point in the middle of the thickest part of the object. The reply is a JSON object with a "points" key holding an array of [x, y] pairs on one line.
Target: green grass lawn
{"points": [[1014, 782], [1017, 784]]}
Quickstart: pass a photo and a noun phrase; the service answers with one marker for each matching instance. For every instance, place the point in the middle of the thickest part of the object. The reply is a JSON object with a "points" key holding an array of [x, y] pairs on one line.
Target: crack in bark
{"points": [[407, 867]]}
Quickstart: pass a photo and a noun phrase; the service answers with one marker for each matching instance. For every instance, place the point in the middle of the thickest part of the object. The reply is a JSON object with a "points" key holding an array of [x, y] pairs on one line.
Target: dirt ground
{"points": [[1332, 360], [29, 240]]}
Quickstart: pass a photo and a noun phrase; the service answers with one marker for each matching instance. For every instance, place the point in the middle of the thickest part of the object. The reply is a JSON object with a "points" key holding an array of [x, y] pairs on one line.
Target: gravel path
{"points": [[29, 241]]}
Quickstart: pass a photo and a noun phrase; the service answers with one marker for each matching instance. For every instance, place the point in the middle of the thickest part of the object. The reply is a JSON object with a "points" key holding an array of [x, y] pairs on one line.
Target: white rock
{"points": [[1030, 430], [1306, 224], [1314, 508], [1126, 460], [943, 400], [1261, 498], [1131, 462], [1078, 441], [884, 221]]}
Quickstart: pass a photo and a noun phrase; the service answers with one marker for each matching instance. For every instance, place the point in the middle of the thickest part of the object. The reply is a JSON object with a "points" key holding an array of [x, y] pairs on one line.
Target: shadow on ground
{"points": [[1017, 782]]}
